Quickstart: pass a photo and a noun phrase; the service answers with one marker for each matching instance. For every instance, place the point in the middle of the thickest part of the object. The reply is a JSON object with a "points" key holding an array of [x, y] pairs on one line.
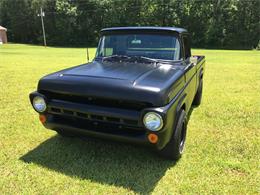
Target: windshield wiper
{"points": [[115, 57], [132, 58], [153, 60], [145, 59]]}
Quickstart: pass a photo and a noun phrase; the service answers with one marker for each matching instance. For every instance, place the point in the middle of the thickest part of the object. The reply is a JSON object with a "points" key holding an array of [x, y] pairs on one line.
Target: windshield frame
{"points": [[173, 34]]}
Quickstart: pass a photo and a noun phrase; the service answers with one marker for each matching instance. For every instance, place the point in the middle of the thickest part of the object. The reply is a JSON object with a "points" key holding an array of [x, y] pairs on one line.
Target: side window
{"points": [[177, 50], [186, 44], [109, 47], [105, 47]]}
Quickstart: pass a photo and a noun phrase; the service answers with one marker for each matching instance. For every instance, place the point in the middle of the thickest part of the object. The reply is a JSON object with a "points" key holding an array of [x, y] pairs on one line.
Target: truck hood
{"points": [[146, 82], [107, 70]]}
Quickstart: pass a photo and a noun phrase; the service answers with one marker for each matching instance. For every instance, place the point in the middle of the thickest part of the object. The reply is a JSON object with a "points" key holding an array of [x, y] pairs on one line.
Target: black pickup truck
{"points": [[139, 88]]}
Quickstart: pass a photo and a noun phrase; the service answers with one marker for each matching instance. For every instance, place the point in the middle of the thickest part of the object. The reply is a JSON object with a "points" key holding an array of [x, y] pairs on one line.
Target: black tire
{"points": [[64, 133], [198, 96], [174, 149]]}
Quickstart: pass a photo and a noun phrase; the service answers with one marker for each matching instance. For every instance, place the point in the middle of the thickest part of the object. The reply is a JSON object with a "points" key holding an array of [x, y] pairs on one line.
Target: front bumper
{"points": [[96, 129], [110, 123]]}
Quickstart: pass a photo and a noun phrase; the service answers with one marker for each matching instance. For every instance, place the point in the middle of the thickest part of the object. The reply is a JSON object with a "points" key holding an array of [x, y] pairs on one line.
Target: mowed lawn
{"points": [[222, 148]]}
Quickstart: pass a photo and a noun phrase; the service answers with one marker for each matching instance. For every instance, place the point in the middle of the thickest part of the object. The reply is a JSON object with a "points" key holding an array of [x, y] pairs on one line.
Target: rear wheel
{"points": [[174, 149], [198, 96]]}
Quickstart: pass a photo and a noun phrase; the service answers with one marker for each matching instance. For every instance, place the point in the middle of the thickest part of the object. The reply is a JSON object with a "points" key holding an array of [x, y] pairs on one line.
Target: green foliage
{"points": [[212, 23], [221, 155]]}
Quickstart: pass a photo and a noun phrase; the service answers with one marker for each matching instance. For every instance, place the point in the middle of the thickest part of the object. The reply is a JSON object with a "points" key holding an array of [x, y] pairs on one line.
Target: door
{"points": [[190, 70]]}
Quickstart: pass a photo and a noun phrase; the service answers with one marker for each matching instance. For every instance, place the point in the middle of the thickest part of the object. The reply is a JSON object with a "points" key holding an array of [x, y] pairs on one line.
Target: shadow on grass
{"points": [[130, 167]]}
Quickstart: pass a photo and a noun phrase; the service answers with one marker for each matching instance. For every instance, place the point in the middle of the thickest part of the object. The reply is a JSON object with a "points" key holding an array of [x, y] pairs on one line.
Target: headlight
{"points": [[39, 104], [153, 121]]}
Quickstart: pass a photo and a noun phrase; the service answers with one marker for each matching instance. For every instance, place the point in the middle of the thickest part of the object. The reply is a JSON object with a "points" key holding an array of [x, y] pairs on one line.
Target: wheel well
{"points": [[183, 107], [201, 73]]}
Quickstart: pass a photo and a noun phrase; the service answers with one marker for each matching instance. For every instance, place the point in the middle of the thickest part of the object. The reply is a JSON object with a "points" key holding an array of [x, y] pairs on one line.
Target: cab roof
{"points": [[145, 28]]}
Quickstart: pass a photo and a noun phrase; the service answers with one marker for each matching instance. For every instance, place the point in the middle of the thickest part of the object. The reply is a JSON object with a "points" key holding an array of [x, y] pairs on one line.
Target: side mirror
{"points": [[194, 60]]}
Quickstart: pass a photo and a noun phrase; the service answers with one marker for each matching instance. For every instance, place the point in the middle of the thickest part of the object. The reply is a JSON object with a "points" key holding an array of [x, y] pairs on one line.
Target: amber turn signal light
{"points": [[153, 138], [42, 118]]}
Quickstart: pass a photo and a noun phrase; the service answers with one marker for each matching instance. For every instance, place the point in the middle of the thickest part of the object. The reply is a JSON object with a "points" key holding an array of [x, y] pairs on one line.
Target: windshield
{"points": [[165, 47]]}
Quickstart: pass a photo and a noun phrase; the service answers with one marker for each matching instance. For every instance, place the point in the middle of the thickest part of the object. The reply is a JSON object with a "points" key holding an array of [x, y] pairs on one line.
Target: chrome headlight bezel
{"points": [[39, 104], [153, 117]]}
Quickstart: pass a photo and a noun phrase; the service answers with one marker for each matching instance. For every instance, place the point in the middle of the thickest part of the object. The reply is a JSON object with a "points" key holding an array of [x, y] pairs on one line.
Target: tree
{"points": [[212, 23]]}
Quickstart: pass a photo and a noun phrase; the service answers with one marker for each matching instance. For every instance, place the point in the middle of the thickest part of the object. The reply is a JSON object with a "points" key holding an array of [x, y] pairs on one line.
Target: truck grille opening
{"points": [[96, 117], [113, 103], [57, 110], [68, 112], [92, 117], [99, 126], [82, 115], [112, 119]]}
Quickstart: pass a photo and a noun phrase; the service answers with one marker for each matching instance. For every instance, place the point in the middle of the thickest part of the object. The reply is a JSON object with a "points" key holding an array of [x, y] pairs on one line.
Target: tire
{"points": [[64, 133], [198, 96], [174, 149]]}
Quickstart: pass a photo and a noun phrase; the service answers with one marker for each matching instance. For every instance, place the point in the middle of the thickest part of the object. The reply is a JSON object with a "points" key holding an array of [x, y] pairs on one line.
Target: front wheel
{"points": [[174, 149]]}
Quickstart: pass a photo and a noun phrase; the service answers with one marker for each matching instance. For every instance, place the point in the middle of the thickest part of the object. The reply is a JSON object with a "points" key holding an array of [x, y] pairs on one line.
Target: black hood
{"points": [[145, 82], [111, 70]]}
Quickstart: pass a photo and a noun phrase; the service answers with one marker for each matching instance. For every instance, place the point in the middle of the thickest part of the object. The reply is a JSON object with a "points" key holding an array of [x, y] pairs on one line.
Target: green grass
{"points": [[222, 148]]}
